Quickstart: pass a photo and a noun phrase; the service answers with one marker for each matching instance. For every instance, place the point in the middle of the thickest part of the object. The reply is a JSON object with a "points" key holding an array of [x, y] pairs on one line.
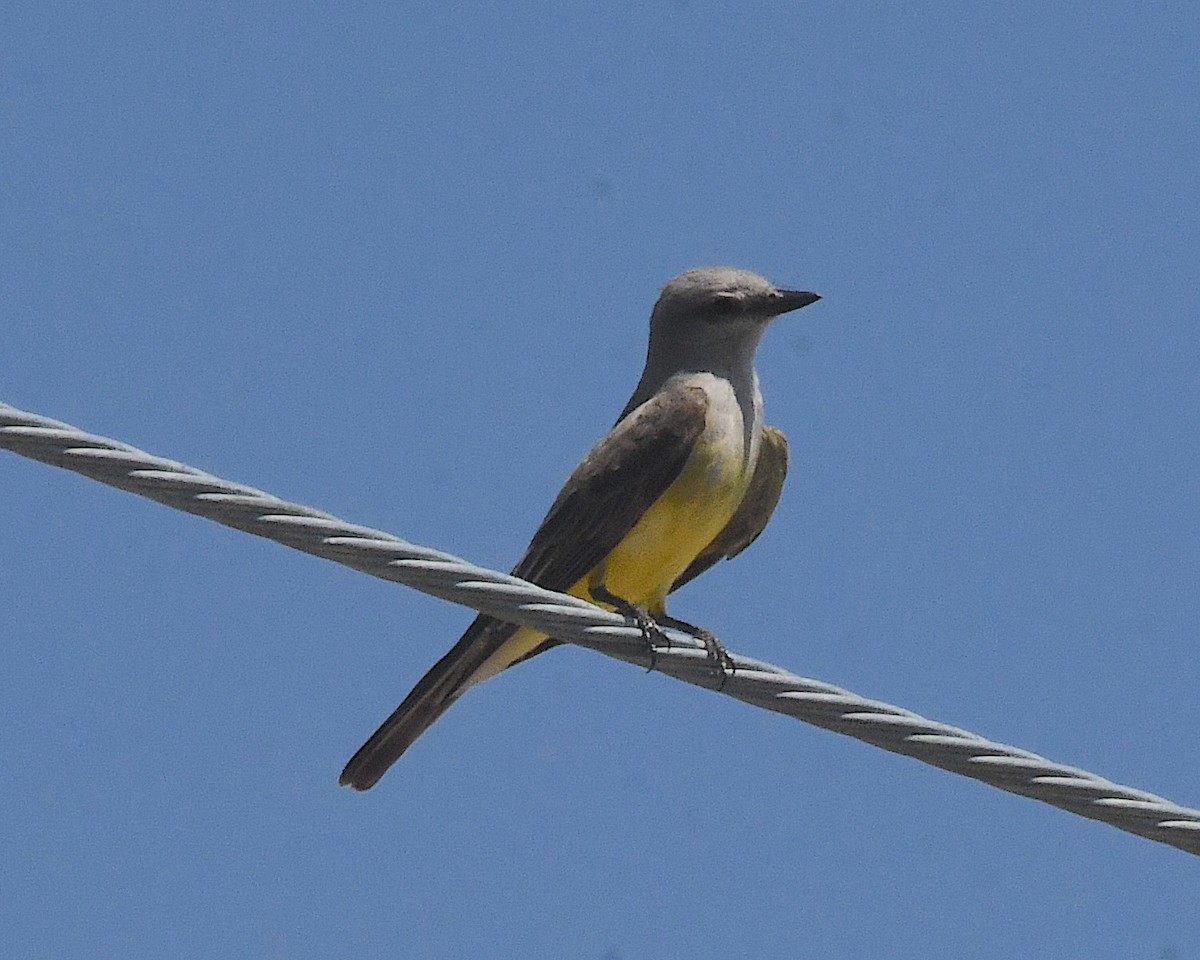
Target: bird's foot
{"points": [[651, 632], [718, 656], [656, 639]]}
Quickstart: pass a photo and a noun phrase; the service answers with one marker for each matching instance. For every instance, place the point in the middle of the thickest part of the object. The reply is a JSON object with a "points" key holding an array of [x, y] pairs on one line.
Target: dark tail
{"points": [[438, 689]]}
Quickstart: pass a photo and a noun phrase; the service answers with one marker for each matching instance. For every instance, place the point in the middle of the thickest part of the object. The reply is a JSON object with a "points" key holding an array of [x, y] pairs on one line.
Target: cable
{"points": [[567, 618]]}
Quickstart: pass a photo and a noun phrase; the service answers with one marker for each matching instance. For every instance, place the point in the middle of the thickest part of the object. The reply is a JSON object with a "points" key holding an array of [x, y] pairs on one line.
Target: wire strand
{"points": [[576, 621]]}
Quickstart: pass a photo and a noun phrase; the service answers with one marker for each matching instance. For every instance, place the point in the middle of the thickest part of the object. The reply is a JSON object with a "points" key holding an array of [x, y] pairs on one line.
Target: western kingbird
{"points": [[689, 475]]}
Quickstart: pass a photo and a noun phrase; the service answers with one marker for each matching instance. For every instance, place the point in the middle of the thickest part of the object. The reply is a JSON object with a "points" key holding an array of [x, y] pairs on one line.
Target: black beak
{"points": [[789, 300]]}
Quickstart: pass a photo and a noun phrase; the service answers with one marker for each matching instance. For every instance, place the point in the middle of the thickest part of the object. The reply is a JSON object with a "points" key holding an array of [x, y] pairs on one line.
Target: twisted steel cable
{"points": [[567, 618]]}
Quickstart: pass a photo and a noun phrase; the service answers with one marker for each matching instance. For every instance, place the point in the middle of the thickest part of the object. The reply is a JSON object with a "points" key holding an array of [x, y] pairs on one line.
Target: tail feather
{"points": [[448, 679]]}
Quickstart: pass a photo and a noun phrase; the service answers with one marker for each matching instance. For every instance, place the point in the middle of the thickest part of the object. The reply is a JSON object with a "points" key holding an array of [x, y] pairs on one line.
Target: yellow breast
{"points": [[685, 519]]}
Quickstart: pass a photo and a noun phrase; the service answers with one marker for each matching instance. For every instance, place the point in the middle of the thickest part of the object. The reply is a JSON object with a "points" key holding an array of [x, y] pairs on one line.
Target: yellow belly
{"points": [[642, 568], [666, 540], [680, 524], [670, 535]]}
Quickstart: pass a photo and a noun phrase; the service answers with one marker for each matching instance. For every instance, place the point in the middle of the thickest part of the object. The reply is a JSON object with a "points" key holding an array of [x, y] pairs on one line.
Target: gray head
{"points": [[725, 295], [718, 313], [711, 320]]}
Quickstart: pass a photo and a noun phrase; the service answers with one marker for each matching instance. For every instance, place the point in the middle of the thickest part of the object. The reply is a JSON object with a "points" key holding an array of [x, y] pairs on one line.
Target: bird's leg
{"points": [[651, 632], [717, 654]]}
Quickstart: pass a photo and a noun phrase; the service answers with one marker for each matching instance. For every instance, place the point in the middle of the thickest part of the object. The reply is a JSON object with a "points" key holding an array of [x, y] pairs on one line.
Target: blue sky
{"points": [[395, 261]]}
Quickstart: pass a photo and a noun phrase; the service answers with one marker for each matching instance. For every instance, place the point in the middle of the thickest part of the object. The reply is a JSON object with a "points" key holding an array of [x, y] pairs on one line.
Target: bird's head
{"points": [[721, 304], [724, 296]]}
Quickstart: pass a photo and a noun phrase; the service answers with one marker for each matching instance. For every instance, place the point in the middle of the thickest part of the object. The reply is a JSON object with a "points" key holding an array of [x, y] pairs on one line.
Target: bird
{"points": [[689, 475]]}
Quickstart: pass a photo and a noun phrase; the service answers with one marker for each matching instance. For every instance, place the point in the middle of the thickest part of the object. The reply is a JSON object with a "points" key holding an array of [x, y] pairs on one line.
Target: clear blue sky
{"points": [[395, 261]]}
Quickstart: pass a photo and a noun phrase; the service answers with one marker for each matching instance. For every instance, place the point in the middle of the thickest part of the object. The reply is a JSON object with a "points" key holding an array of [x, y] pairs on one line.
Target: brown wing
{"points": [[751, 518], [615, 484], [599, 504]]}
